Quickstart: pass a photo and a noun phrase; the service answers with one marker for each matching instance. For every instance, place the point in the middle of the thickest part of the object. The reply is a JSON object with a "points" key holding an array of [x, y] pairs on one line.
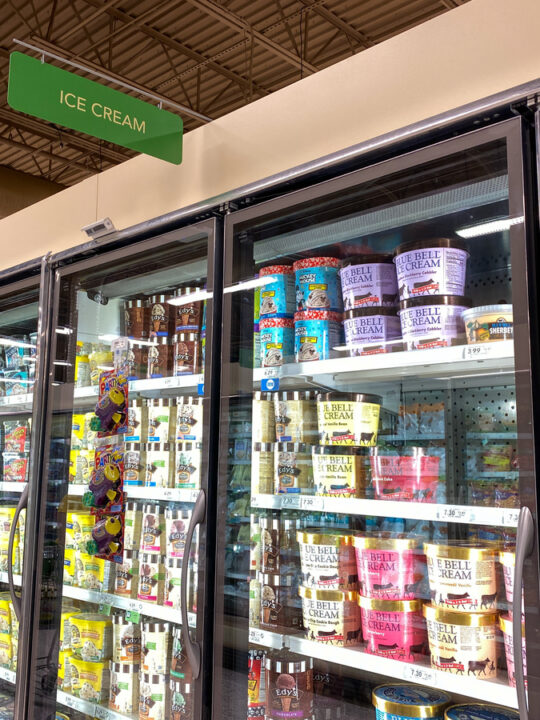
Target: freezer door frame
{"points": [[516, 132], [32, 601]]}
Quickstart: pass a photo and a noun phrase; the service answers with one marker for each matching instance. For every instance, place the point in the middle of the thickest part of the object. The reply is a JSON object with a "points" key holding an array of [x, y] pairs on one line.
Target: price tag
{"points": [[133, 616], [104, 609], [135, 605], [290, 501], [455, 513], [194, 494], [255, 501], [509, 517], [200, 389], [71, 701], [270, 384], [256, 636], [271, 372], [474, 352], [167, 493], [426, 676], [310, 503], [103, 713]]}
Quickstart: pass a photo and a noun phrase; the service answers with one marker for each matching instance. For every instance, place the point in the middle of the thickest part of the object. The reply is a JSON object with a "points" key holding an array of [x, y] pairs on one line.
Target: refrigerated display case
{"points": [[378, 357], [120, 635]]}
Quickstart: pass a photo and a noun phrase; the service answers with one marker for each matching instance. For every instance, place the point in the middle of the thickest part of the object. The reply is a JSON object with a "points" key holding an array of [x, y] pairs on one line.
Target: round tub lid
{"points": [[349, 397], [389, 605], [367, 259], [369, 312], [461, 551], [422, 300], [323, 595], [410, 245], [411, 701], [376, 542], [480, 711], [455, 617], [313, 536], [507, 625]]}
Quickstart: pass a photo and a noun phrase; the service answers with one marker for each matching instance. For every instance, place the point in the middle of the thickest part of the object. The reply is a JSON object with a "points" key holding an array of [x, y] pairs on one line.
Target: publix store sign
{"points": [[53, 94]]}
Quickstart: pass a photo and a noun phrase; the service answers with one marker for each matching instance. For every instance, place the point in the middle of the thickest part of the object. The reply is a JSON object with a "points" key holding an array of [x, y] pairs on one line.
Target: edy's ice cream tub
{"points": [[263, 428], [338, 471], [400, 701], [293, 468], [289, 688], [277, 298], [388, 568], [508, 562], [270, 545], [367, 281], [277, 341], [262, 468], [327, 560], [189, 314], [489, 323], [506, 625], [462, 643], [126, 641], [348, 418], [124, 695], [280, 604], [189, 419], [462, 577], [431, 267], [127, 574], [372, 330], [480, 711], [393, 628], [434, 321], [331, 617], [412, 477], [295, 416], [316, 335], [89, 680], [188, 458], [317, 284]]}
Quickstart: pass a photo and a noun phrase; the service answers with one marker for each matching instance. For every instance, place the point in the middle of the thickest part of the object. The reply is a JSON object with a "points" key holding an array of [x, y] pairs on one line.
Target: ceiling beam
{"points": [[240, 25], [86, 21], [338, 22], [38, 151], [181, 48], [49, 132]]}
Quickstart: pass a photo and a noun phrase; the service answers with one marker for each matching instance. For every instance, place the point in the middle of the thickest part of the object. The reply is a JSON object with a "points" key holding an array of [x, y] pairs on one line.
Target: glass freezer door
{"points": [[123, 573], [378, 444], [19, 325]]}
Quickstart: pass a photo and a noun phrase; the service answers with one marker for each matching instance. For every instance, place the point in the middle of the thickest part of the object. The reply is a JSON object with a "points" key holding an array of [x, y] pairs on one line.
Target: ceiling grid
{"points": [[211, 56]]}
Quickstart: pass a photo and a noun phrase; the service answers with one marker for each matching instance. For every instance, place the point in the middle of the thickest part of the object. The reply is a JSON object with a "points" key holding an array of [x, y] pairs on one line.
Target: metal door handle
{"points": [[524, 546], [22, 505], [193, 649]]}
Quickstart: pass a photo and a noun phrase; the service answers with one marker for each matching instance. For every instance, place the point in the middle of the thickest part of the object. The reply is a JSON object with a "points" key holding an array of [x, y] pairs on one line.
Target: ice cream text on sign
{"points": [[97, 109]]}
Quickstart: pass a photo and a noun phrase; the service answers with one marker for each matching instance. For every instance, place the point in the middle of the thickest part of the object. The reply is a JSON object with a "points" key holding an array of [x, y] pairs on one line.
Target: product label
{"points": [[458, 584], [461, 649], [332, 623], [368, 285], [328, 567]]}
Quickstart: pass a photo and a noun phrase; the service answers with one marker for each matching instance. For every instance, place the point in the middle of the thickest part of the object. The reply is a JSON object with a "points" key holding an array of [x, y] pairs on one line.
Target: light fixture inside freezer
{"points": [[8, 342], [494, 226], [250, 284], [192, 297]]}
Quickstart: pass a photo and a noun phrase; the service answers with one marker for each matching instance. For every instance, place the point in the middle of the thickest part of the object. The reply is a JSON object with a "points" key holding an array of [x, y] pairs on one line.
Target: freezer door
{"points": [[21, 313], [121, 582], [377, 464]]}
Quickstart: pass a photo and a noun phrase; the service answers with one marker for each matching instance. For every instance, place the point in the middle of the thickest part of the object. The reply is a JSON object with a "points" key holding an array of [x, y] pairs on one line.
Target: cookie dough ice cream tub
{"points": [[316, 335], [89, 680], [412, 477], [277, 341], [327, 560], [317, 284], [372, 330], [331, 617], [505, 623], [462, 577], [403, 702], [489, 323], [393, 628], [480, 711], [277, 298], [431, 322], [348, 418], [91, 637], [293, 469], [367, 281], [295, 416], [508, 562], [338, 471], [388, 568], [431, 267], [462, 643]]}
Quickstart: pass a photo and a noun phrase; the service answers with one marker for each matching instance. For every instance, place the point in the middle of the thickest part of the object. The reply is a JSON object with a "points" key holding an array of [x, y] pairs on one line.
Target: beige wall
{"points": [[476, 50]]}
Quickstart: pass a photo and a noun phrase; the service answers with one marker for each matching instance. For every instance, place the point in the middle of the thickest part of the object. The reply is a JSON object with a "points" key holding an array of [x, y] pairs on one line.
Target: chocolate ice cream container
{"points": [[289, 689]]}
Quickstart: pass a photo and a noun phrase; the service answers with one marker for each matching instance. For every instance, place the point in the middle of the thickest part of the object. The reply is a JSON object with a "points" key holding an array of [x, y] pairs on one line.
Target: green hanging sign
{"points": [[53, 94]]}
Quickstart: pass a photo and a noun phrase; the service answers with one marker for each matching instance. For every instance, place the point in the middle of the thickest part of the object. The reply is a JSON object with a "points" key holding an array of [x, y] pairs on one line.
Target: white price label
{"points": [[134, 605], [169, 382], [199, 379], [271, 372], [194, 494], [256, 636], [167, 493], [455, 513], [426, 676], [474, 352], [309, 503], [255, 501], [103, 713], [290, 501], [71, 702], [509, 517]]}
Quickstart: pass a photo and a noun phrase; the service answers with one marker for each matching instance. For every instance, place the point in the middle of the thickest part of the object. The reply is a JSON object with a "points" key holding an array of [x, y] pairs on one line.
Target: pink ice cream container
{"points": [[508, 562], [505, 623], [388, 568], [412, 477], [393, 628]]}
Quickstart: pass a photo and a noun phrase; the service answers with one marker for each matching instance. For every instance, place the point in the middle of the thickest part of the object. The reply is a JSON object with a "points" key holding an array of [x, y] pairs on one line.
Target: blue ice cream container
{"points": [[316, 334], [277, 298], [276, 341], [480, 711], [317, 284], [401, 701]]}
